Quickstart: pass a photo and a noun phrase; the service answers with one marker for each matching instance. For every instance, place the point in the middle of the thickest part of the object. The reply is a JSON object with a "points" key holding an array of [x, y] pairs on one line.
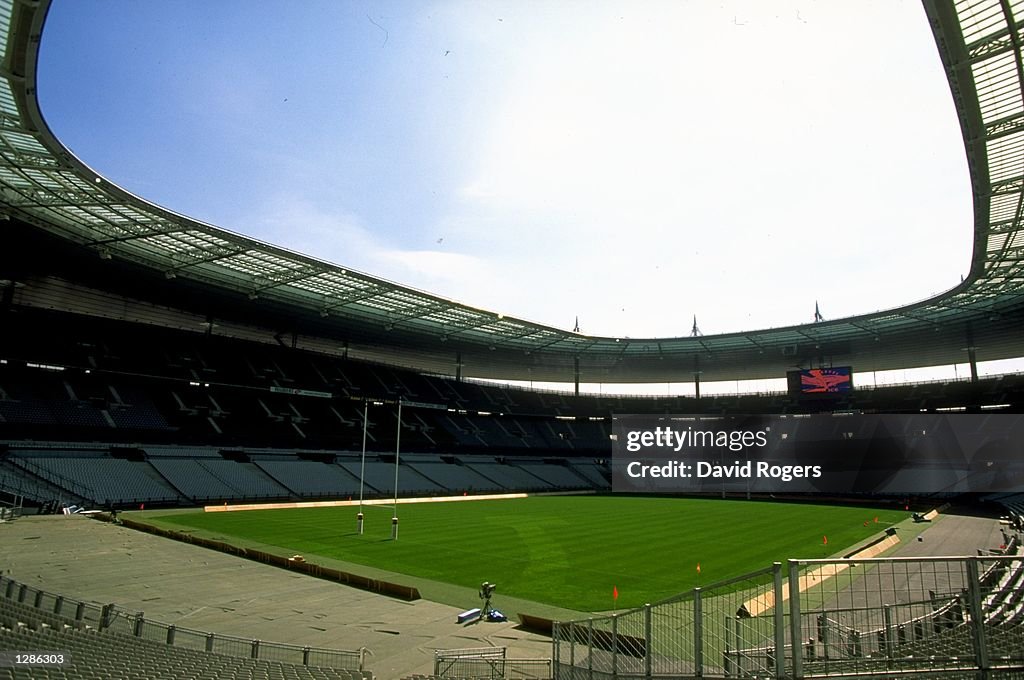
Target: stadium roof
{"points": [[979, 42]]}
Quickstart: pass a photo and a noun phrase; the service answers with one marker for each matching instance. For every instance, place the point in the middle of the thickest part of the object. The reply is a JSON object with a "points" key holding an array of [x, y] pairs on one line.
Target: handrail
{"points": [[113, 619]]}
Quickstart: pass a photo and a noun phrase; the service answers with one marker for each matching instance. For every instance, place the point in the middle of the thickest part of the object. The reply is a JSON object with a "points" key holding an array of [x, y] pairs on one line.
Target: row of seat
{"points": [[91, 654], [199, 475]]}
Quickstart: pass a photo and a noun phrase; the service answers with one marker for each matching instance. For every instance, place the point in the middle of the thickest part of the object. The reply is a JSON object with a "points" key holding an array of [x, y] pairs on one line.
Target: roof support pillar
{"points": [[576, 375], [458, 367], [696, 378], [972, 356]]}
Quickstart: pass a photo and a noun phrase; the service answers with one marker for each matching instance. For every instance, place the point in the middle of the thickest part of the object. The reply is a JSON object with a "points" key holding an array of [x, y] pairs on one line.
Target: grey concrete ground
{"points": [[857, 598], [954, 534], [197, 588]]}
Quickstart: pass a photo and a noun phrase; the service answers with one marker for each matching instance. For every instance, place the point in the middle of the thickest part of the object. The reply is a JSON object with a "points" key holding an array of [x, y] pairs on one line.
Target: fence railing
{"points": [[488, 663], [11, 504], [816, 618], [55, 608]]}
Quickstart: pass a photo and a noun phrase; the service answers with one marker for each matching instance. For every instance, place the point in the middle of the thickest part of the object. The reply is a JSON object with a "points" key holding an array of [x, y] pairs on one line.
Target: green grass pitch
{"points": [[568, 551]]}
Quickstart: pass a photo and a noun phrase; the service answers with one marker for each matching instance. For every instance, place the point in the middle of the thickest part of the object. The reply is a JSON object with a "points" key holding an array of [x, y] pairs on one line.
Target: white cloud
{"points": [[449, 274], [637, 165], [736, 162], [290, 220]]}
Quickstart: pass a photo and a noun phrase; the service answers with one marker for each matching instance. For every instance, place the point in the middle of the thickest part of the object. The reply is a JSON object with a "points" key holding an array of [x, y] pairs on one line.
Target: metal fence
{"points": [[11, 503], [488, 663], [880, 617], [55, 609]]}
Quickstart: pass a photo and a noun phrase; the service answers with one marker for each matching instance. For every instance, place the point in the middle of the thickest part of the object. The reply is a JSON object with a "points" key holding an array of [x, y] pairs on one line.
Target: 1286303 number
{"points": [[22, 659]]}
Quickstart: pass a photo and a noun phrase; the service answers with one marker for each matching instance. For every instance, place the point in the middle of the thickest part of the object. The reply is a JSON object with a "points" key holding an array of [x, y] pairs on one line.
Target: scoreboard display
{"points": [[820, 382]]}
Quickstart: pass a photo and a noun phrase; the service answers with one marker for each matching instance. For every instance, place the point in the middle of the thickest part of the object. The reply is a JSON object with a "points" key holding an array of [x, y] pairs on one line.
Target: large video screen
{"points": [[821, 382]]}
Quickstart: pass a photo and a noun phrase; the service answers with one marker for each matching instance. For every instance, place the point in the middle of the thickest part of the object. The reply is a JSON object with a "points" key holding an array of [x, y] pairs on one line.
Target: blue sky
{"points": [[630, 163]]}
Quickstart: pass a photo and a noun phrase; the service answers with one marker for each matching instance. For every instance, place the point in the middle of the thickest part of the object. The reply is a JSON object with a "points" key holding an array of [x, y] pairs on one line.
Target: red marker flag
{"points": [[615, 592], [698, 567], [824, 540]]}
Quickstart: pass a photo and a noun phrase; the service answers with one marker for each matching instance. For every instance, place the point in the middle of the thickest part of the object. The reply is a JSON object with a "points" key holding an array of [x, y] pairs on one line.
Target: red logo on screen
{"points": [[824, 380]]}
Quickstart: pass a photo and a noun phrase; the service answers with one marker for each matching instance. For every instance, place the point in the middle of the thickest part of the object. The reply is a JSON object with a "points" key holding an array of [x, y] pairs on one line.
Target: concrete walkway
{"points": [[952, 533], [202, 589]]}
